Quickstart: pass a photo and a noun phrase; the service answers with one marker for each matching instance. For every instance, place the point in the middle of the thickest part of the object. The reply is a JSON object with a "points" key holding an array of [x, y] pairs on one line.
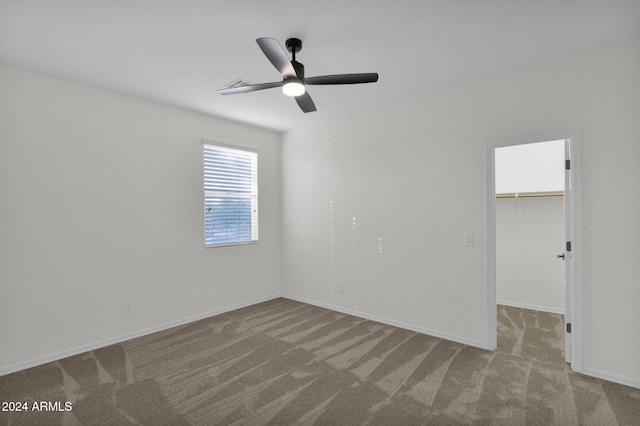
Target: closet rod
{"points": [[531, 195]]}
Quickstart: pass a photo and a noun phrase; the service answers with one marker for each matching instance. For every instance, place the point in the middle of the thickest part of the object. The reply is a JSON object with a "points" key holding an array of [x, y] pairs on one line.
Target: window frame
{"points": [[253, 195]]}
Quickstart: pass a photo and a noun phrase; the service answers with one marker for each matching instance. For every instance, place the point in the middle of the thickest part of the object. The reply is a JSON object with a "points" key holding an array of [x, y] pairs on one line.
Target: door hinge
{"points": [[567, 164], [568, 327], [568, 245]]}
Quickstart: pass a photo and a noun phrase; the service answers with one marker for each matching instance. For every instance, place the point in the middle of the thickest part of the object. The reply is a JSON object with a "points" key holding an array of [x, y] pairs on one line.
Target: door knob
{"points": [[560, 256]]}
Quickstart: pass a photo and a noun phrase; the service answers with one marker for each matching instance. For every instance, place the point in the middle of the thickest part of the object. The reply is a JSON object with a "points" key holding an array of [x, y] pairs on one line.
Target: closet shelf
{"points": [[531, 194]]}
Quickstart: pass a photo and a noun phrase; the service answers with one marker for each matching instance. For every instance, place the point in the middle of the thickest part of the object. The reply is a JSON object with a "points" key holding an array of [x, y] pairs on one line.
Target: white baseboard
{"points": [[412, 327], [119, 339], [532, 307], [627, 381]]}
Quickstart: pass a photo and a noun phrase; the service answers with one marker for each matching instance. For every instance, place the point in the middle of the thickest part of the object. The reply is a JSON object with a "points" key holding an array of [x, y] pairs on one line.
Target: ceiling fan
{"points": [[294, 81]]}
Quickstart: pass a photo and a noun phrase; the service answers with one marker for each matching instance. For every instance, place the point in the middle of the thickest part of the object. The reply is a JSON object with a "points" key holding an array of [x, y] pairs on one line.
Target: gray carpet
{"points": [[531, 334], [283, 363]]}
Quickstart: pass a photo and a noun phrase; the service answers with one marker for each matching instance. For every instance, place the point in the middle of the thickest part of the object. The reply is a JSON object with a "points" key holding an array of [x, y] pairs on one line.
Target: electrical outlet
{"points": [[340, 288], [127, 309]]}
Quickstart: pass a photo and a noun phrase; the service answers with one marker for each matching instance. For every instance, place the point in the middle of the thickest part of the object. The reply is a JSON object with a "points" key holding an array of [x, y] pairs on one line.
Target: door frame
{"points": [[572, 224]]}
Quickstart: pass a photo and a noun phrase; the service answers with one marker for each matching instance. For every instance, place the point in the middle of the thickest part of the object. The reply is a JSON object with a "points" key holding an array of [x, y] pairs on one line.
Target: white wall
{"points": [[528, 274], [413, 175], [532, 167], [101, 204]]}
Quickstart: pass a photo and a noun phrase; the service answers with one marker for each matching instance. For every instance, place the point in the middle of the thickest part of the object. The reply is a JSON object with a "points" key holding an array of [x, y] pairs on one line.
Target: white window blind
{"points": [[230, 195]]}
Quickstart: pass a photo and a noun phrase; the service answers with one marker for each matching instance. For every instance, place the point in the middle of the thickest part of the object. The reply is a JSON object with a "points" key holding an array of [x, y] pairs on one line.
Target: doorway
{"points": [[530, 274], [564, 196]]}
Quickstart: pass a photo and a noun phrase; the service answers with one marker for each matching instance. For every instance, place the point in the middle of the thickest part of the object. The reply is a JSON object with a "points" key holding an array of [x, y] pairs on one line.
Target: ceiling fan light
{"points": [[293, 88]]}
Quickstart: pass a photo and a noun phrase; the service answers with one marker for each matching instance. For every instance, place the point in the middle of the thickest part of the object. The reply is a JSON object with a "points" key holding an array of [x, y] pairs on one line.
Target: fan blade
{"points": [[371, 77], [305, 102], [276, 54], [249, 88]]}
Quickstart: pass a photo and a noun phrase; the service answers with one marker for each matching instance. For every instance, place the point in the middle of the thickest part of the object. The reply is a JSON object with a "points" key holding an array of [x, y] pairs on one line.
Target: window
{"points": [[230, 195]]}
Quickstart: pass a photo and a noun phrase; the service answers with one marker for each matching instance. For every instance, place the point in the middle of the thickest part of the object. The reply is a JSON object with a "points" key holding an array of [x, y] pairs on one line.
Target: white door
{"points": [[568, 254]]}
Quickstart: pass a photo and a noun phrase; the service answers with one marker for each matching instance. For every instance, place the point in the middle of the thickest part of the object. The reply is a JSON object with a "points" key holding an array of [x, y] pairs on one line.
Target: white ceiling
{"points": [[180, 52]]}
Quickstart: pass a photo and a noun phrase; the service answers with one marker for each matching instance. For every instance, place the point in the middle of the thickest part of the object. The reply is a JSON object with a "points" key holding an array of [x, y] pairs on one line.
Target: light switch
{"points": [[468, 239]]}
